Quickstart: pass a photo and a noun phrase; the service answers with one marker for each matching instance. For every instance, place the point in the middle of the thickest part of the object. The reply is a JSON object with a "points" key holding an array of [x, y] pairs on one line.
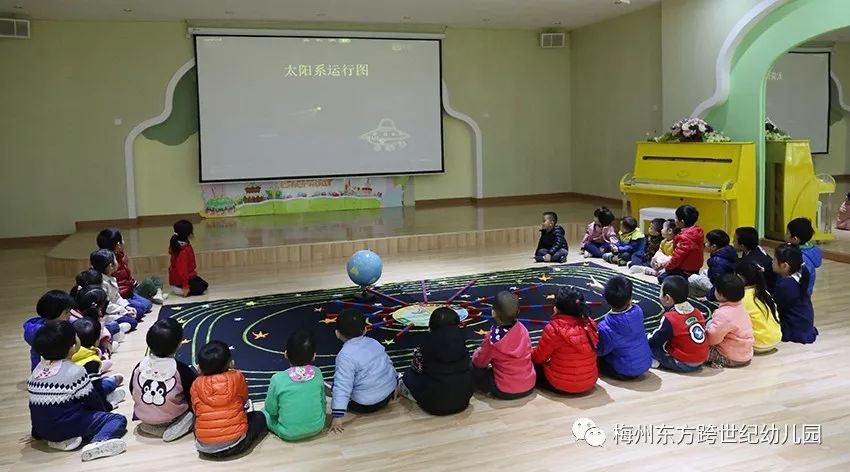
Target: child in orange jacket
{"points": [[219, 397]]}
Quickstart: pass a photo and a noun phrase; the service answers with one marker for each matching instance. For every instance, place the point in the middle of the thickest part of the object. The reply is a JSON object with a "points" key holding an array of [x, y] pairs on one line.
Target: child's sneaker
{"points": [[179, 428], [156, 430], [655, 364], [66, 445], [111, 447], [636, 269], [116, 396], [405, 392], [157, 297], [115, 345], [125, 327], [608, 257], [563, 259], [119, 336], [622, 262], [586, 254]]}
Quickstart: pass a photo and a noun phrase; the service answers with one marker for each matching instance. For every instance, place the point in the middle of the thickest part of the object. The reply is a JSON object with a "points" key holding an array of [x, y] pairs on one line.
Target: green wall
{"points": [[61, 155], [692, 33], [71, 80], [616, 97]]}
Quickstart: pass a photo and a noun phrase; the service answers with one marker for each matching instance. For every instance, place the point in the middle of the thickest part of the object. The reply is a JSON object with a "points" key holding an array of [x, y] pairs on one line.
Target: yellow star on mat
{"points": [[260, 335], [185, 341], [297, 294], [635, 301], [387, 342], [327, 321], [250, 303], [318, 310], [481, 332], [177, 308], [550, 297], [545, 278]]}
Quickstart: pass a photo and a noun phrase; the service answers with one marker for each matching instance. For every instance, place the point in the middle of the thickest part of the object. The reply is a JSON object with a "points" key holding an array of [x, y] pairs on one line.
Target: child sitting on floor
{"points": [[118, 309], [687, 257], [623, 349], [761, 307], [53, 305], [653, 240], [91, 301], [89, 357], [365, 380], [552, 246], [502, 366], [219, 397], [140, 295], [631, 246], [721, 260], [182, 271], [800, 233], [600, 234], [796, 315], [747, 243], [161, 385], [679, 343], [662, 255], [64, 407], [440, 378], [730, 331], [843, 221], [565, 356], [295, 402]]}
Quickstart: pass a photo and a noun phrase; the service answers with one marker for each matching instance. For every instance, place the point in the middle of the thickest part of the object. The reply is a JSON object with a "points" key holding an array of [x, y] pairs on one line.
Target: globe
{"points": [[364, 268]]}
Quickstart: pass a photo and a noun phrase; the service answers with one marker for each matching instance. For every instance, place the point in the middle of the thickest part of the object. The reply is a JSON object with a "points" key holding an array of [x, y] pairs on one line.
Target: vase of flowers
{"points": [[773, 133], [691, 130]]}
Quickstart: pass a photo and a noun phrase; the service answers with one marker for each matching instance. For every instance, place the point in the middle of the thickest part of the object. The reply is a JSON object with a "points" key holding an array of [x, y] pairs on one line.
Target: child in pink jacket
{"points": [[600, 234], [843, 221], [730, 331], [502, 365]]}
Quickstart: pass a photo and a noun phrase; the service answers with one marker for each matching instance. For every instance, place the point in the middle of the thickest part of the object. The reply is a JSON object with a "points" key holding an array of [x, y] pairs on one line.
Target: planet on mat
{"points": [[257, 328]]}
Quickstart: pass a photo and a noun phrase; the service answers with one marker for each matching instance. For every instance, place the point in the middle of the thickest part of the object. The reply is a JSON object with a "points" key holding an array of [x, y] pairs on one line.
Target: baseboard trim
{"points": [[140, 222], [518, 200], [31, 241]]}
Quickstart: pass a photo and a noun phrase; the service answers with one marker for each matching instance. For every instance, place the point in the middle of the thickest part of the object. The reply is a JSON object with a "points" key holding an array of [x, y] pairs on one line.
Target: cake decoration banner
{"points": [[298, 196]]}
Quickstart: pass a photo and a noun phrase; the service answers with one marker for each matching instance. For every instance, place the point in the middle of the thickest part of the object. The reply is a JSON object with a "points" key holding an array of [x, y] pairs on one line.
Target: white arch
{"points": [[129, 158], [723, 66], [478, 143], [840, 88]]}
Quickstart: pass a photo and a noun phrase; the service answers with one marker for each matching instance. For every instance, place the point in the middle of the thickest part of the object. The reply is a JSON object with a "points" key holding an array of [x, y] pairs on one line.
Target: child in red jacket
{"points": [[139, 294], [502, 365], [565, 357], [182, 275], [687, 257]]}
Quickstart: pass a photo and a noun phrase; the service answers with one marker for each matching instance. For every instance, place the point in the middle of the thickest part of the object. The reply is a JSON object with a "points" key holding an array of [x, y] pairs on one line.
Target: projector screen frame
{"points": [[438, 38], [828, 53]]}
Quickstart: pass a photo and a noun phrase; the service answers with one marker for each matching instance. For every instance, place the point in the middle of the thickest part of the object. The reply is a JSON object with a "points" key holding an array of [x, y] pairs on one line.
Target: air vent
{"points": [[14, 28], [553, 40]]}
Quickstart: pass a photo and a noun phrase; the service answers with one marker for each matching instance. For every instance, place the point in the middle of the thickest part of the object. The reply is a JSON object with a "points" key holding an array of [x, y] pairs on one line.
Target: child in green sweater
{"points": [[295, 403]]}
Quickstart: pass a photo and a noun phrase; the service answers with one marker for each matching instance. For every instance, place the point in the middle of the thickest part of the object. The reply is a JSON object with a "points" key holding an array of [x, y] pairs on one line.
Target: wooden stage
{"points": [[306, 237]]}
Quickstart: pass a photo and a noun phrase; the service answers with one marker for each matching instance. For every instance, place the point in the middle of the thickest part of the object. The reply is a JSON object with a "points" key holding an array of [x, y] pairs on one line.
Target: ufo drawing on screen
{"points": [[386, 137]]}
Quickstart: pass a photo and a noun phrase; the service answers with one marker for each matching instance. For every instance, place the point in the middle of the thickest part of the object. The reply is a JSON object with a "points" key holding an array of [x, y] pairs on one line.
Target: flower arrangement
{"points": [[693, 130], [773, 133]]}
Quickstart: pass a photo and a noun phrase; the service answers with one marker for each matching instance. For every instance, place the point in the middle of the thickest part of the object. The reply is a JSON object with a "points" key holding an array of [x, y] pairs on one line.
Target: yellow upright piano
{"points": [[719, 179]]}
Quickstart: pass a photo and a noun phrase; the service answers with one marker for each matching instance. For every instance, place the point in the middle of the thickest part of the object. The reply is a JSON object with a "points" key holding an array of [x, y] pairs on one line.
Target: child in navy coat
{"points": [[631, 246], [796, 315]]}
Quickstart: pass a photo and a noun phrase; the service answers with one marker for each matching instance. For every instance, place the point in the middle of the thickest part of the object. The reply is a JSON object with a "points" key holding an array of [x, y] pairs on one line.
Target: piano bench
{"points": [[651, 213]]}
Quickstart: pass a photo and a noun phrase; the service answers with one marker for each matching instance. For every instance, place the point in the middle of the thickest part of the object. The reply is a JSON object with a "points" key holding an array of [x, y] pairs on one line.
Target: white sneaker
{"points": [[153, 429], [405, 392], [655, 364], [112, 447], [66, 445], [586, 254], [164, 294], [125, 327], [179, 428], [158, 298], [115, 345], [117, 396], [248, 406]]}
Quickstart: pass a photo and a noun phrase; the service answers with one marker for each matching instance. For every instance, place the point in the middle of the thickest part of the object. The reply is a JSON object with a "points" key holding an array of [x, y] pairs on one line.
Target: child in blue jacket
{"points": [[796, 314], [632, 244], [53, 305], [800, 233], [623, 348]]}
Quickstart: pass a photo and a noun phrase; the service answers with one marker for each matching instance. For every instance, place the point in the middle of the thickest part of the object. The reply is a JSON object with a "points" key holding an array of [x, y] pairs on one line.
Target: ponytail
{"points": [[793, 256], [805, 276], [753, 275], [182, 230]]}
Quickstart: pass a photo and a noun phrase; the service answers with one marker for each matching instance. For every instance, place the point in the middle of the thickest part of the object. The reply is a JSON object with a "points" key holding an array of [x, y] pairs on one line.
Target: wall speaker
{"points": [[553, 40]]}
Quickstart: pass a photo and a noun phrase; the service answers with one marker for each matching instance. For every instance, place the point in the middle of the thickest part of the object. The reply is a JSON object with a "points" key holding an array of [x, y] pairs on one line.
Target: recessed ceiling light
{"points": [[556, 23], [485, 20], [320, 15], [128, 10], [622, 2], [405, 18], [18, 7], [228, 12]]}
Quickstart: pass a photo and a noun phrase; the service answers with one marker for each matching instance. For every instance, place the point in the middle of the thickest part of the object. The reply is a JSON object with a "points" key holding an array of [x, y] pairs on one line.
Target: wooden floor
{"points": [[798, 385]]}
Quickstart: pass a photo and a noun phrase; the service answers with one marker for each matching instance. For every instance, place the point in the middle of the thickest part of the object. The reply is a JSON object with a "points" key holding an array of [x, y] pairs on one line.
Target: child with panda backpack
{"points": [[160, 385]]}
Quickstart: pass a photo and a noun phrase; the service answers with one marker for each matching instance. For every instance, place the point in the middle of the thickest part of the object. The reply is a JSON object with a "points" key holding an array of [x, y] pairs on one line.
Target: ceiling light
{"points": [[320, 15], [557, 23], [406, 18], [622, 2], [228, 12], [128, 10], [485, 20], [18, 7]]}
